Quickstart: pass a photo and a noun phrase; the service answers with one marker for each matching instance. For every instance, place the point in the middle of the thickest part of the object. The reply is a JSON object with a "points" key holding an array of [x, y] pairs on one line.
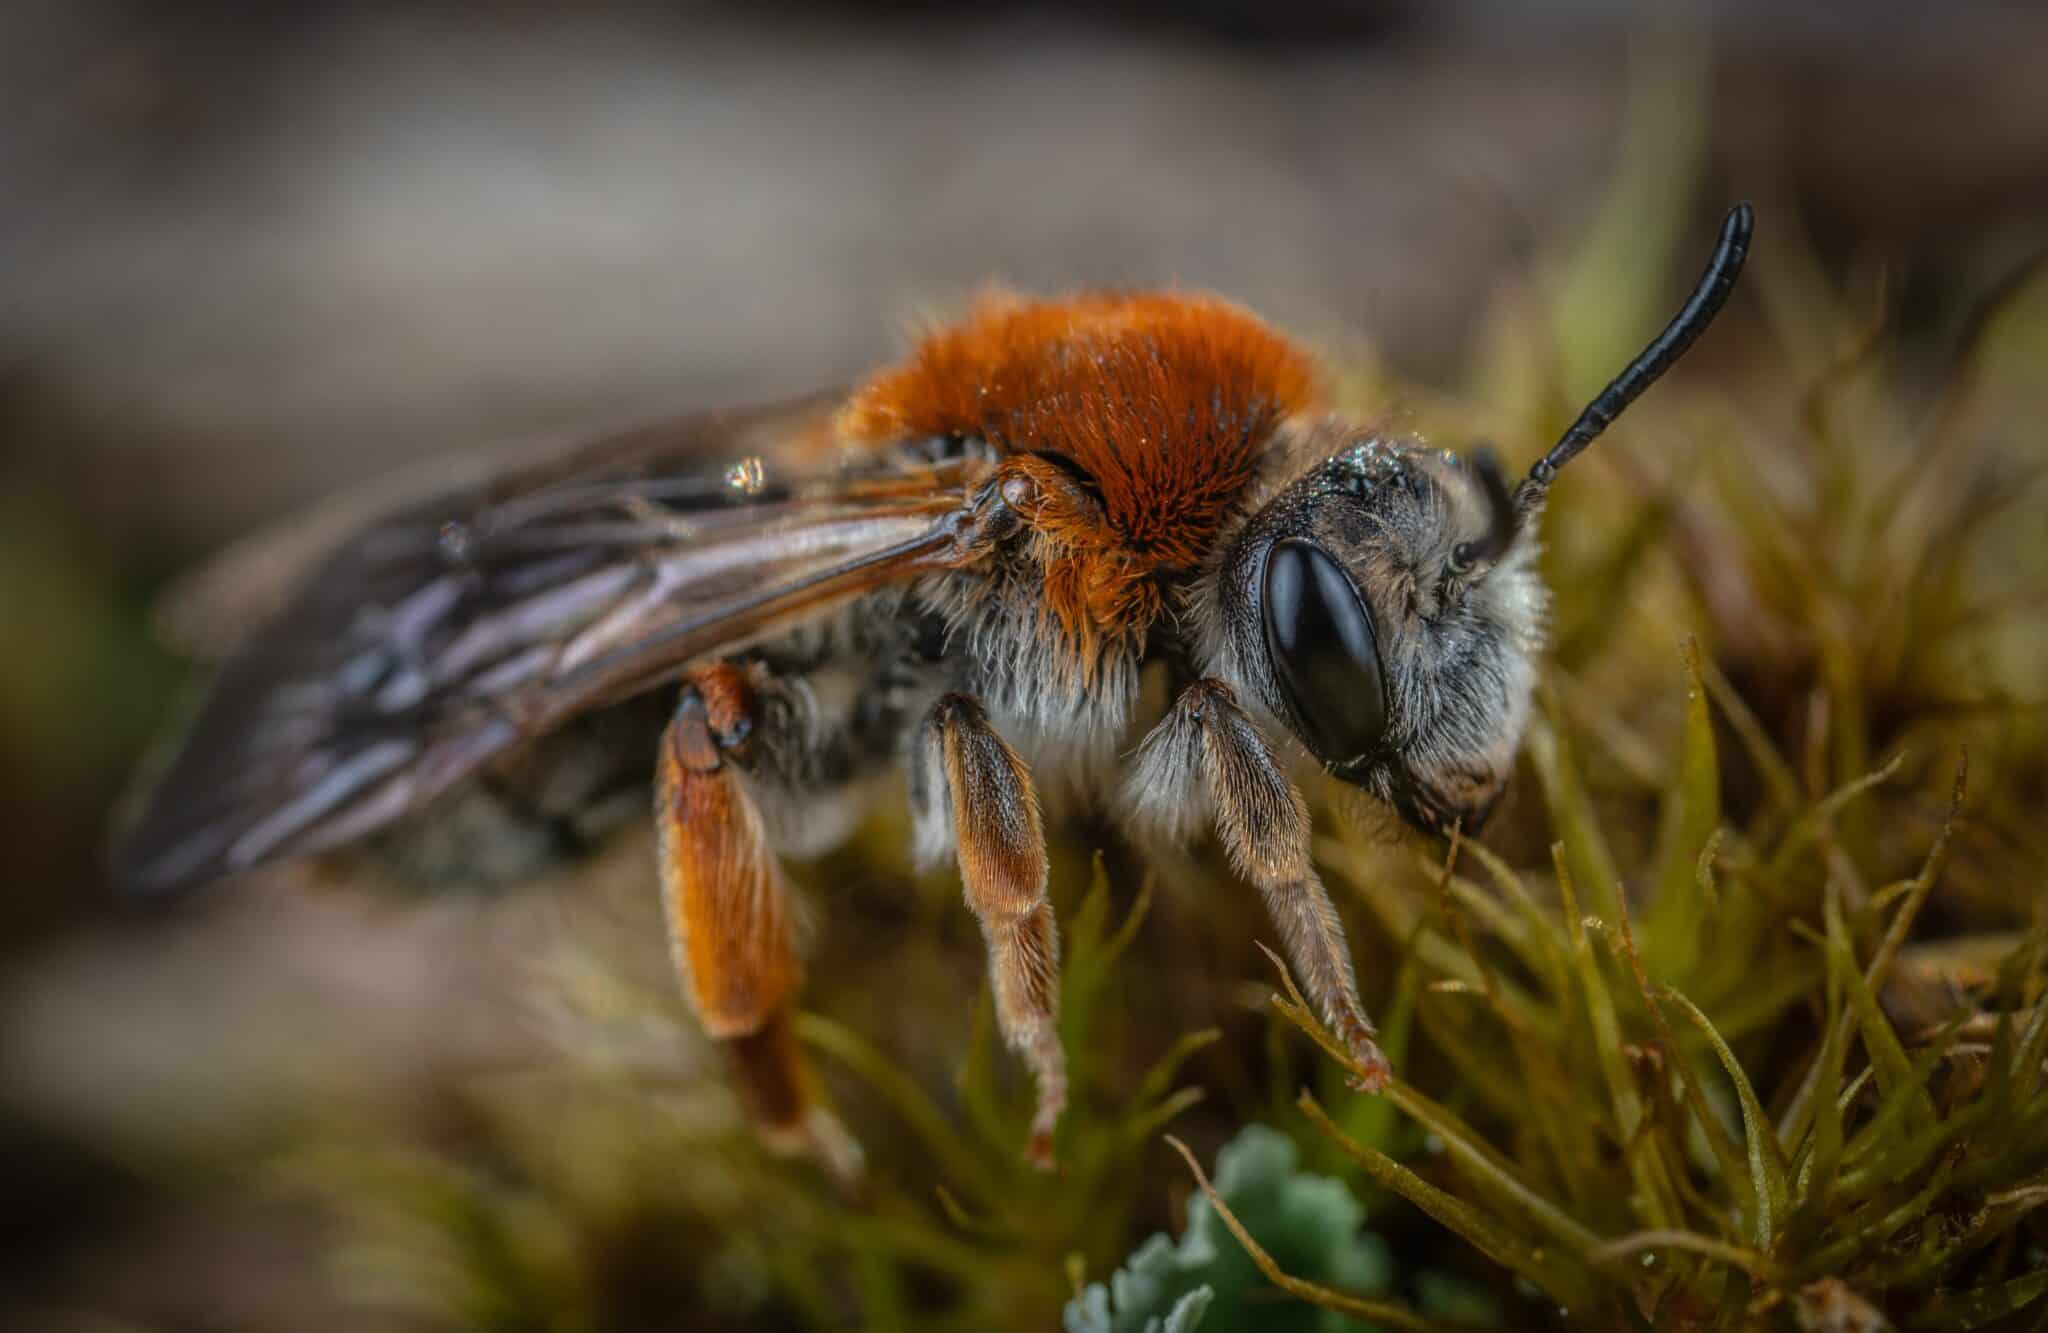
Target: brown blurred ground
{"points": [[247, 258]]}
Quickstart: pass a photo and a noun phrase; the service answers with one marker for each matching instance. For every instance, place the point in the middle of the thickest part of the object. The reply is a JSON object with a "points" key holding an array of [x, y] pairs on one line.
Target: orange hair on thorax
{"points": [[1164, 400]]}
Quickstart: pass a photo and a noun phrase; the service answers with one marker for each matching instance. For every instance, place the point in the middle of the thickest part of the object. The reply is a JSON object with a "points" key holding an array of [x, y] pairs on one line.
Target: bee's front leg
{"points": [[971, 789], [1205, 760], [731, 918]]}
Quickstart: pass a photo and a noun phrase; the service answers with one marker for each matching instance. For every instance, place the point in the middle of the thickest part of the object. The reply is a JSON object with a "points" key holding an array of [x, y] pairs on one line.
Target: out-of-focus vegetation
{"points": [[1736, 1019]]}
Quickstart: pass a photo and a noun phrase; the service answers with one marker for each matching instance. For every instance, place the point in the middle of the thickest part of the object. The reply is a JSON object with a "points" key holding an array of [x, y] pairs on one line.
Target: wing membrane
{"points": [[210, 611], [441, 637]]}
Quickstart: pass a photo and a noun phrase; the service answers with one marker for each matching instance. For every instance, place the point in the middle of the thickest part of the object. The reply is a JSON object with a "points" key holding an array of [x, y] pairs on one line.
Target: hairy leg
{"points": [[973, 786], [1205, 760], [731, 920]]}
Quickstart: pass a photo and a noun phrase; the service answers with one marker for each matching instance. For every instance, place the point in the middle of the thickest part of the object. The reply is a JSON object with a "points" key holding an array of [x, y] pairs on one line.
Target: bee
{"points": [[959, 568]]}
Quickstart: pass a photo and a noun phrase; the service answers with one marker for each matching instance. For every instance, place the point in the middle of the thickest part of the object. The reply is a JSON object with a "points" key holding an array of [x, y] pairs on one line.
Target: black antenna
{"points": [[1687, 325]]}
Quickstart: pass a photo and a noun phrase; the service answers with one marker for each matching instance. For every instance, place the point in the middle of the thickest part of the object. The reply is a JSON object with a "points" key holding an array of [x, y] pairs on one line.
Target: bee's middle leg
{"points": [[990, 811], [732, 922]]}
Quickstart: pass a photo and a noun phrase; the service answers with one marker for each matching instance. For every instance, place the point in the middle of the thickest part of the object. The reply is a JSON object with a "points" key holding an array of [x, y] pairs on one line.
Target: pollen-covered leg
{"points": [[1206, 755], [731, 920], [1000, 842]]}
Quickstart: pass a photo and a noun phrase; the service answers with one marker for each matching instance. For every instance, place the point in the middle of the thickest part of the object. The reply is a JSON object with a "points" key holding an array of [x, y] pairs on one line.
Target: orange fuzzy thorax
{"points": [[1164, 400]]}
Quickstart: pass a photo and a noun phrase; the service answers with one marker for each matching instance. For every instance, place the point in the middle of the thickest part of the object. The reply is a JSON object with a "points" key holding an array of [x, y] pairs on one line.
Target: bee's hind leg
{"points": [[1206, 759], [732, 922], [971, 789]]}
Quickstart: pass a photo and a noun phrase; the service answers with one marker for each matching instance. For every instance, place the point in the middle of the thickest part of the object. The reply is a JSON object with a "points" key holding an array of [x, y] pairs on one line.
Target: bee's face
{"points": [[1387, 612]]}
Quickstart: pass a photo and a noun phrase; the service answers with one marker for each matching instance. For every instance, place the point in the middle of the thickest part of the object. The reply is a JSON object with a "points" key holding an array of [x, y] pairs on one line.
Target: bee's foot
{"points": [[838, 1154], [1374, 1071], [819, 1137], [1052, 1101]]}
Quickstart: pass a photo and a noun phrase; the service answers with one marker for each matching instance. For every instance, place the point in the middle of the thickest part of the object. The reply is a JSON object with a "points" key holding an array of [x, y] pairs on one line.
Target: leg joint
{"points": [[958, 710], [715, 717]]}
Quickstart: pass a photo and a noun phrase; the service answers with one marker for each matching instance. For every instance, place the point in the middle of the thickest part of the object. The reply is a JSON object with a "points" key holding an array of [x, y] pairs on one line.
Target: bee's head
{"points": [[1385, 608]]}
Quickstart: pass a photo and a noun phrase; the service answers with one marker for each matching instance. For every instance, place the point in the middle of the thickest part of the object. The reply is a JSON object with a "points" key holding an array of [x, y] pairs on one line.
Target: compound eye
{"points": [[1325, 652]]}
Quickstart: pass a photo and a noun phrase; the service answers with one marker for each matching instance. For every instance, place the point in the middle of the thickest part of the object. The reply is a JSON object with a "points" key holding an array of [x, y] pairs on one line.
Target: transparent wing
{"points": [[447, 633], [209, 611]]}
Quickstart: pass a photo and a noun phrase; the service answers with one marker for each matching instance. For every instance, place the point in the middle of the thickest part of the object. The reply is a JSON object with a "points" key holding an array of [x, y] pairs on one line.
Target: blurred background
{"points": [[251, 255]]}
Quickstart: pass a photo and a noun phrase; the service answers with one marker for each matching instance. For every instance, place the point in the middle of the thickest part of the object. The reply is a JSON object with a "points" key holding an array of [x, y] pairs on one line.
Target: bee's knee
{"points": [[718, 715], [954, 711], [1197, 699]]}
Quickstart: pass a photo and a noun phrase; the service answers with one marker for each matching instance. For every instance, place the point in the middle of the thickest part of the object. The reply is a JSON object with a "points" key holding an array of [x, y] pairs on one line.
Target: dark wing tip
{"points": [[174, 831], [146, 867], [153, 848]]}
